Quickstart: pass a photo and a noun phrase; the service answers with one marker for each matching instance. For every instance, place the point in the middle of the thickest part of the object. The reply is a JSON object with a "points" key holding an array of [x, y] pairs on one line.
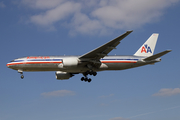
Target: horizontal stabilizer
{"points": [[153, 57]]}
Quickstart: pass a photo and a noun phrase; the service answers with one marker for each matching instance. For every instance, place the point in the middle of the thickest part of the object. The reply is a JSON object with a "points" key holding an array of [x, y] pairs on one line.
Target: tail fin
{"points": [[147, 49]]}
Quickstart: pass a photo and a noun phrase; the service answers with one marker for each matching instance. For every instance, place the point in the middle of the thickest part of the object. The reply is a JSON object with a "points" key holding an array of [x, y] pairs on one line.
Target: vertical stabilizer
{"points": [[147, 49]]}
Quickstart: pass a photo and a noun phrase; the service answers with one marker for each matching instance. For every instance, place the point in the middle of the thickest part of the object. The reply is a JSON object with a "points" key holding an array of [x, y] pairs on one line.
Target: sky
{"points": [[75, 27]]}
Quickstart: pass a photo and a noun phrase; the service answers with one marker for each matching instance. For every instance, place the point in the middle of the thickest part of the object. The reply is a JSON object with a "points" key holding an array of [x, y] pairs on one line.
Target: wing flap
{"points": [[103, 50]]}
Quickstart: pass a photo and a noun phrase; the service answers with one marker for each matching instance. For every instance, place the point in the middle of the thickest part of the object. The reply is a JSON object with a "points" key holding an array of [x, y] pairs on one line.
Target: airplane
{"points": [[91, 62]]}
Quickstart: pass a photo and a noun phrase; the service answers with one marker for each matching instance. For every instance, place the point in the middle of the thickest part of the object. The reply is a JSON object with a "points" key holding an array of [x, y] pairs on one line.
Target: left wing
{"points": [[103, 50]]}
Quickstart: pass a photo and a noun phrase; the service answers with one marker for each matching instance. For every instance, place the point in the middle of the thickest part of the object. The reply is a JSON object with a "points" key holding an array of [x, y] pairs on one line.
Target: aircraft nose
{"points": [[8, 65]]}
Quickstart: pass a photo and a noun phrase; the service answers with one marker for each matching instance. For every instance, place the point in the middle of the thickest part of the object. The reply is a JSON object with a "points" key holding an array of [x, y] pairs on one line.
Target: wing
{"points": [[103, 50]]}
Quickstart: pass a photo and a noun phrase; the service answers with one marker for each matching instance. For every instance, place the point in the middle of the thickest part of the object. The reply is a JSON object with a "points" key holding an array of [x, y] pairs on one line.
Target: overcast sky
{"points": [[75, 27]]}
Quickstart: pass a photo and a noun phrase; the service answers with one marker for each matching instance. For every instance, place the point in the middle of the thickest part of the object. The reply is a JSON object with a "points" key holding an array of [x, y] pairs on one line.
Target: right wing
{"points": [[103, 50]]}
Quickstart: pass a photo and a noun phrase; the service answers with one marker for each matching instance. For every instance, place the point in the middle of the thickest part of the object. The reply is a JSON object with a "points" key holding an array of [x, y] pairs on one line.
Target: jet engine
{"points": [[63, 75], [69, 62]]}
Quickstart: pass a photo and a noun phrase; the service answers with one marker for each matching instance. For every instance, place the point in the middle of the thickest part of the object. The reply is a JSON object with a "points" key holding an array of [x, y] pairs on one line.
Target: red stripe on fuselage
{"points": [[47, 62], [119, 61]]}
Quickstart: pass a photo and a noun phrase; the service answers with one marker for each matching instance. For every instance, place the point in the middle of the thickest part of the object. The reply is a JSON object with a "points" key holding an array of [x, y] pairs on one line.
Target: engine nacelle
{"points": [[69, 62], [63, 75]]}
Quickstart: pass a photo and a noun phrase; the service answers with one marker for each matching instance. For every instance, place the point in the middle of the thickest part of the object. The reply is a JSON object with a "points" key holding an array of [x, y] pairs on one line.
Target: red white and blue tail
{"points": [[147, 49]]}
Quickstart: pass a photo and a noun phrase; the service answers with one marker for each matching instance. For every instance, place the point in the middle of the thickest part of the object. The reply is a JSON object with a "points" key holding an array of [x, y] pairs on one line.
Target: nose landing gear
{"points": [[21, 72], [22, 76]]}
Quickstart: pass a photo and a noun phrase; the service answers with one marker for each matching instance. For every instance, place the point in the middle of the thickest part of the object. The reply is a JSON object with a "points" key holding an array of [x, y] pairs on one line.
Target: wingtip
{"points": [[129, 31], [169, 50]]}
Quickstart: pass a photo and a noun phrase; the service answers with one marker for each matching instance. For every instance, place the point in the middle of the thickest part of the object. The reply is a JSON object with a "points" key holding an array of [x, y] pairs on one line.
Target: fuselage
{"points": [[52, 63]]}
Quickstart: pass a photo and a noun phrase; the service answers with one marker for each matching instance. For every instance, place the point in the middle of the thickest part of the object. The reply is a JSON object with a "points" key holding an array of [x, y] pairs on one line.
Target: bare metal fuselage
{"points": [[52, 63]]}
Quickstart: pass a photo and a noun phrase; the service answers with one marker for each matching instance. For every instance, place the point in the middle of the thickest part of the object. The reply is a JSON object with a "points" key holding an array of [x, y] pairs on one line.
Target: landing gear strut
{"points": [[21, 72], [85, 78]]}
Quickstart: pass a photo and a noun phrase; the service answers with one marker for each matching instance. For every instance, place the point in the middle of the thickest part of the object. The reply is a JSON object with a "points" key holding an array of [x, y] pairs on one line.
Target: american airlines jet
{"points": [[91, 62]]}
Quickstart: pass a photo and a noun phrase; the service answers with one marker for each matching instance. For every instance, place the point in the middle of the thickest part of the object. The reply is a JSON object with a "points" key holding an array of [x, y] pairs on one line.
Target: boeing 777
{"points": [[91, 62]]}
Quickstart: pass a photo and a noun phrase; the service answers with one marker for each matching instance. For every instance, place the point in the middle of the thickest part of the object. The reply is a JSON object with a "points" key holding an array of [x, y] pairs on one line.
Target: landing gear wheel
{"points": [[22, 76], [94, 73], [86, 79], [82, 79], [89, 80]]}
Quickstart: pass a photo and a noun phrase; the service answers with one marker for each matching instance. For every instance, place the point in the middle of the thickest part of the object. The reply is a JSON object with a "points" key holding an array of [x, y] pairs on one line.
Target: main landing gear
{"points": [[21, 72], [85, 78]]}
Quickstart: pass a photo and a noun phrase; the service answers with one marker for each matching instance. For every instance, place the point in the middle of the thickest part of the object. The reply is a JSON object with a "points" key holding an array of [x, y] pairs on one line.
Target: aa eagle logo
{"points": [[146, 49]]}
